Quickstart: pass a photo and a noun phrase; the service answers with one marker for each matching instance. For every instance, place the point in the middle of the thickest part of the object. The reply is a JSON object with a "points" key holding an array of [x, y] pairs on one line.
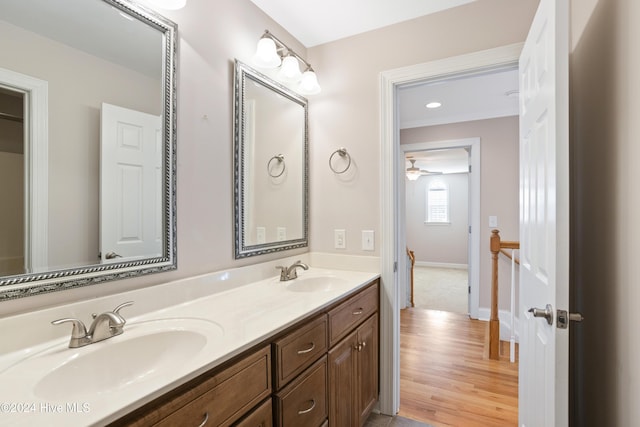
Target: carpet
{"points": [[444, 289]]}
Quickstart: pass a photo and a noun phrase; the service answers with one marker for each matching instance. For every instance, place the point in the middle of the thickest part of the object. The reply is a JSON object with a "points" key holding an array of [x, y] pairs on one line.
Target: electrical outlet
{"points": [[261, 235], [368, 243], [340, 239], [493, 221]]}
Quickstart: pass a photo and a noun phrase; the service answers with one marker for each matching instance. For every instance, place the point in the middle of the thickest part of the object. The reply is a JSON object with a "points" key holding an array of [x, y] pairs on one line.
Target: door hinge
{"points": [[469, 289], [469, 229], [395, 266], [469, 168]]}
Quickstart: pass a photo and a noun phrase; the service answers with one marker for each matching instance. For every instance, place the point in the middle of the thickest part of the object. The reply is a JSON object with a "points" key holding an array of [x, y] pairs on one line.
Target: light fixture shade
{"points": [[290, 69], [413, 175], [309, 83], [266, 54], [169, 4]]}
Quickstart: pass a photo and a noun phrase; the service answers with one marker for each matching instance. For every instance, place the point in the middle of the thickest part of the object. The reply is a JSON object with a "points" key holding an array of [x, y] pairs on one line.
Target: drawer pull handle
{"points": [[307, 350], [206, 418], [306, 411], [358, 312]]}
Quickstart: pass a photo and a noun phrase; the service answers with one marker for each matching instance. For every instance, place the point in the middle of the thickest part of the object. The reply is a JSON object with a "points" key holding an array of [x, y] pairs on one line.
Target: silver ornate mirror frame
{"points": [[243, 247], [17, 286]]}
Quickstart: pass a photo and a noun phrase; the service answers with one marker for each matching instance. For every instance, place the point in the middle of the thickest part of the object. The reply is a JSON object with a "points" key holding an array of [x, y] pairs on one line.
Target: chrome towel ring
{"points": [[280, 159], [342, 152]]}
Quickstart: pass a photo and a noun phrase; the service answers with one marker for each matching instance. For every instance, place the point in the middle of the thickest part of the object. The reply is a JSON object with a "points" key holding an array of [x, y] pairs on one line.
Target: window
{"points": [[437, 202]]}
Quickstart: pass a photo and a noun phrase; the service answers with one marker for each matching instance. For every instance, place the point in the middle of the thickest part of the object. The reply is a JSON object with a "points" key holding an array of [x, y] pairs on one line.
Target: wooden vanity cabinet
{"points": [[353, 375], [324, 372]]}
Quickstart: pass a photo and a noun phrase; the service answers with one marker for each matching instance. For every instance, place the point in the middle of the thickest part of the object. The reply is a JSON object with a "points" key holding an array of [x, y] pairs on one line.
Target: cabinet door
{"points": [[367, 369], [342, 383]]}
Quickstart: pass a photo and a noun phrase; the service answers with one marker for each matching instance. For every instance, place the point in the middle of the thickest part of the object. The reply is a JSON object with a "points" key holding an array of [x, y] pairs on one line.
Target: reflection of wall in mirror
{"points": [[277, 203], [12, 196], [78, 84]]}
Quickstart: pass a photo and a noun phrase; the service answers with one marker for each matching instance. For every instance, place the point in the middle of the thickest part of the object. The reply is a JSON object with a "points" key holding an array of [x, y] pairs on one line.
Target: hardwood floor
{"points": [[446, 377]]}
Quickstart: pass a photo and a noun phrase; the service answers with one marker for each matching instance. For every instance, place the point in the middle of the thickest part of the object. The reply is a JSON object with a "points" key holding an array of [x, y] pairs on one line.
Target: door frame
{"points": [[36, 170], [473, 245], [390, 250]]}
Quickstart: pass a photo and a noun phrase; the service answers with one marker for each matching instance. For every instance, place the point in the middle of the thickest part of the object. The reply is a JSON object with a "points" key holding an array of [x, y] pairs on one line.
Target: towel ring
{"points": [[343, 153], [280, 159]]}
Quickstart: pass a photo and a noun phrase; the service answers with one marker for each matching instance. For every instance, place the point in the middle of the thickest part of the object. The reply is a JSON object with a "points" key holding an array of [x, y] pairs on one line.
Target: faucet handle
{"points": [[78, 331], [121, 306]]}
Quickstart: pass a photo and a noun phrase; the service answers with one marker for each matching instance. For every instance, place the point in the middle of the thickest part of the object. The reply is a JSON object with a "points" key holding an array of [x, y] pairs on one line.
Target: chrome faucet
{"points": [[290, 273], [105, 325]]}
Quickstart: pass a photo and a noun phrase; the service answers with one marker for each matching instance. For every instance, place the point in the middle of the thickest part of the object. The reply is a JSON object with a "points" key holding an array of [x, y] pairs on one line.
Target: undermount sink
{"points": [[315, 284], [145, 351]]}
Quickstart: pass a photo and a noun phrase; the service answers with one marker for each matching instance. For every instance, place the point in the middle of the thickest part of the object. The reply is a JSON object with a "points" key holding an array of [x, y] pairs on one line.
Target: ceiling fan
{"points": [[413, 172]]}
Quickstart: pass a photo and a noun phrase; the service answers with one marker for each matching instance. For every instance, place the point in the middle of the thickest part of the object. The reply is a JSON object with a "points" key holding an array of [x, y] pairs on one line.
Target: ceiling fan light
{"points": [[413, 175]]}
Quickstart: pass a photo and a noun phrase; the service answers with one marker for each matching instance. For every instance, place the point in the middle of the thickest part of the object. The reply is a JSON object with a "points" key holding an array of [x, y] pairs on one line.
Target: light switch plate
{"points": [[493, 221], [282, 233], [368, 243], [340, 239]]}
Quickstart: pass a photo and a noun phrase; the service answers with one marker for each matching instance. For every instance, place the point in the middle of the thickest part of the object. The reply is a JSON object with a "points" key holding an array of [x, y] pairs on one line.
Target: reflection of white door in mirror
{"points": [[32, 191], [130, 185]]}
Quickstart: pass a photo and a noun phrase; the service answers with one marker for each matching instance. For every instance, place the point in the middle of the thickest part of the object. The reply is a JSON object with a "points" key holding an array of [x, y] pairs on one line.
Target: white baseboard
{"points": [[505, 323], [442, 265]]}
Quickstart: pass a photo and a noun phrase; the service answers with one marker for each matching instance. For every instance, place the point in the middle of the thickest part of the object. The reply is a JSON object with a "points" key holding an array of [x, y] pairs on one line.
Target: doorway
{"points": [[392, 253], [452, 240]]}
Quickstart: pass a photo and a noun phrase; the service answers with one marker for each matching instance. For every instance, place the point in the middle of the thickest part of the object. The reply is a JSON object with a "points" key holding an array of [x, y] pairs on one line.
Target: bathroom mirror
{"points": [[87, 144], [271, 165]]}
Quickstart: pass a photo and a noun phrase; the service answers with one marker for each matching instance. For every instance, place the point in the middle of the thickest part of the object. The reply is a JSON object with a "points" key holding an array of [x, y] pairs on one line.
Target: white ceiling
{"points": [[94, 27], [467, 98], [318, 22]]}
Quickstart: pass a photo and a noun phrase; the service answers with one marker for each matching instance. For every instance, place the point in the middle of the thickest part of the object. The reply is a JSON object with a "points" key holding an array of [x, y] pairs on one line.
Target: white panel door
{"points": [[544, 217], [130, 185]]}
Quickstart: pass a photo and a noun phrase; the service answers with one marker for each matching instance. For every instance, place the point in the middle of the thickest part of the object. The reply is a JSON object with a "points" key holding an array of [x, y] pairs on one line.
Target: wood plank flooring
{"points": [[446, 377]]}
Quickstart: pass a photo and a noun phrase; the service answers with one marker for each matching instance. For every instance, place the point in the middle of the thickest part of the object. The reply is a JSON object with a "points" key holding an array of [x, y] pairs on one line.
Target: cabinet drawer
{"points": [[345, 317], [304, 402], [262, 416], [231, 393], [296, 351]]}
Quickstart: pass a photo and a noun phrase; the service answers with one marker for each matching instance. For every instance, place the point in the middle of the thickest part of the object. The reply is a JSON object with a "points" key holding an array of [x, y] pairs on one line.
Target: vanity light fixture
{"points": [[273, 53]]}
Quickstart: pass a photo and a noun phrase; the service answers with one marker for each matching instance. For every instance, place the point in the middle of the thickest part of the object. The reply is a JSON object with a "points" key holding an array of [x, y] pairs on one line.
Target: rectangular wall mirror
{"points": [[271, 165], [87, 143]]}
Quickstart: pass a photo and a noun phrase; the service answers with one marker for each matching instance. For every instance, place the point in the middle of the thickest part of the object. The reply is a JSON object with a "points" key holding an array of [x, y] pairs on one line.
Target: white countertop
{"points": [[246, 315]]}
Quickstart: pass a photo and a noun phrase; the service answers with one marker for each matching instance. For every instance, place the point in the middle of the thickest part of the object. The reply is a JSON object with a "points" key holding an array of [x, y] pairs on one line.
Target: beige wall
{"points": [[605, 244], [498, 187], [438, 243], [347, 111]]}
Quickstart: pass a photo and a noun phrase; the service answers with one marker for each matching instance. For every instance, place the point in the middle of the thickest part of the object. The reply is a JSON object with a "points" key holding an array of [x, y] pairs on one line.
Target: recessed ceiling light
{"points": [[434, 104]]}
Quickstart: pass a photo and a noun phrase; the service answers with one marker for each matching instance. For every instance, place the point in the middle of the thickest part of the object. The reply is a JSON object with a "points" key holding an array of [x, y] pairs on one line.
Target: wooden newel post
{"points": [[494, 321]]}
